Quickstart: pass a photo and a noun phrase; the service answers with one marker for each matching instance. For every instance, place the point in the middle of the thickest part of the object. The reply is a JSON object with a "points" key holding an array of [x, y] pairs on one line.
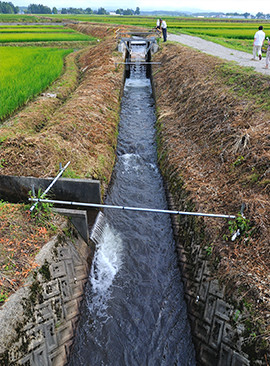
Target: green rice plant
{"points": [[239, 33], [13, 18], [25, 72], [38, 37], [35, 29]]}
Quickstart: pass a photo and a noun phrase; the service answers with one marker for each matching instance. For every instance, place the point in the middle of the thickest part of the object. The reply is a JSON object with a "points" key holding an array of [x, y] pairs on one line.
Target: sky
{"points": [[240, 6]]}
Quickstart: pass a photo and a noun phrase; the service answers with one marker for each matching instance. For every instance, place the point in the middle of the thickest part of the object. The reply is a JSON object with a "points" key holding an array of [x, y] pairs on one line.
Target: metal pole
{"points": [[98, 205], [52, 183]]}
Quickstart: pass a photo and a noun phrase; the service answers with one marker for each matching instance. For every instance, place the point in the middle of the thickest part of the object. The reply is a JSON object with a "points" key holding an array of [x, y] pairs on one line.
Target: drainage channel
{"points": [[134, 311]]}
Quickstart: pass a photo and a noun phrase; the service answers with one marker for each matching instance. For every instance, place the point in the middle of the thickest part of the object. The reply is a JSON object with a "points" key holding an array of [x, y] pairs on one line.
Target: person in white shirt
{"points": [[164, 29], [158, 24], [258, 42]]}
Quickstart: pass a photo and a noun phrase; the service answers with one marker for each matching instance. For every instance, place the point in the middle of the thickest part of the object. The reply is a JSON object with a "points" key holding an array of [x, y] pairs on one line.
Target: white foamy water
{"points": [[130, 161], [106, 263], [107, 260], [136, 83]]}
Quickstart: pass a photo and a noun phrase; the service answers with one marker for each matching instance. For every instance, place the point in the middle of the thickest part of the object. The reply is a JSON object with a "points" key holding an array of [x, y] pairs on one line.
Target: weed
{"points": [[36, 292], [3, 296], [2, 161], [42, 211], [45, 271], [240, 225], [236, 315], [69, 173], [238, 161], [253, 178], [209, 249]]}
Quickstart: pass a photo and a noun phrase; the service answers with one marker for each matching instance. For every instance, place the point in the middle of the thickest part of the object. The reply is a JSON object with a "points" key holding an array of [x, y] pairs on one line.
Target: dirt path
{"points": [[211, 48]]}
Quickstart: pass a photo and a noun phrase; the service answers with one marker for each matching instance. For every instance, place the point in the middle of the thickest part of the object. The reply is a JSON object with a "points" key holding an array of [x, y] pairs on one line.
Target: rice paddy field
{"points": [[36, 33], [28, 70], [25, 72], [21, 18], [237, 34], [18, 65]]}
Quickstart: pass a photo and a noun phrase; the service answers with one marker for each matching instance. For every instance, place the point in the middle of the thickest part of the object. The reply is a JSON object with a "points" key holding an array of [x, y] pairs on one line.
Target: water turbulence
{"points": [[134, 312]]}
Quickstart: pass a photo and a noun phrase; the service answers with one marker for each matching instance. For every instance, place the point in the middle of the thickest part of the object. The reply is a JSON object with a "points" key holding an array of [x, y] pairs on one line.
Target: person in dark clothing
{"points": [[163, 26]]}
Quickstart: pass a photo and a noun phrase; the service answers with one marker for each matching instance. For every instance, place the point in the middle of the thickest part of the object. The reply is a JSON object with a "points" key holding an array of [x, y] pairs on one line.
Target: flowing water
{"points": [[134, 313]]}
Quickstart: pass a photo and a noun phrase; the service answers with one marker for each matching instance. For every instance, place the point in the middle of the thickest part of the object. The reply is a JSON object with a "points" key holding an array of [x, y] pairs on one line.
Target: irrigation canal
{"points": [[134, 313]]}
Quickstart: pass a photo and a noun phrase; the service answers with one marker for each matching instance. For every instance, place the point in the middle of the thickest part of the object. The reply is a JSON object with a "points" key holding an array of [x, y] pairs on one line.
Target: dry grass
{"points": [[218, 143], [21, 238]]}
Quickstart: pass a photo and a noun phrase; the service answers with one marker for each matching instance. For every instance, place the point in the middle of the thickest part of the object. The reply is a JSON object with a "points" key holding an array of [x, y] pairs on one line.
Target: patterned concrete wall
{"points": [[216, 341], [38, 322]]}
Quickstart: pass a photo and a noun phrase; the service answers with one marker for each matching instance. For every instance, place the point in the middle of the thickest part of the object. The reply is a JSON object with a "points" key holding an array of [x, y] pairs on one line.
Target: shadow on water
{"points": [[134, 312]]}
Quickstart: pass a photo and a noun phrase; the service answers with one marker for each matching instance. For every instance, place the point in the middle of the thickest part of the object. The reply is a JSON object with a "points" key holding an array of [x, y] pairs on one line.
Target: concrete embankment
{"points": [[39, 320]]}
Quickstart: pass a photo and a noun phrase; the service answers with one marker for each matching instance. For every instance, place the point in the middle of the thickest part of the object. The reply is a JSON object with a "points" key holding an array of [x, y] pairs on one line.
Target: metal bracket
{"points": [[50, 186]]}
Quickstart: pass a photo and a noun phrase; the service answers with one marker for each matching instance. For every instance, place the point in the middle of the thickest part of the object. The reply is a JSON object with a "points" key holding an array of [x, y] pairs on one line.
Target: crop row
{"points": [[10, 18], [37, 37], [35, 29], [224, 33]]}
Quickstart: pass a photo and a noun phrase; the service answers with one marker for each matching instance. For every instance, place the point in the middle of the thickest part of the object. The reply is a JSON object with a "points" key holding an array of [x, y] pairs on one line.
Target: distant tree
{"points": [[38, 9], [88, 11], [75, 11], [64, 11], [101, 11], [8, 8], [260, 15], [246, 15], [54, 10], [128, 12], [137, 11], [120, 11]]}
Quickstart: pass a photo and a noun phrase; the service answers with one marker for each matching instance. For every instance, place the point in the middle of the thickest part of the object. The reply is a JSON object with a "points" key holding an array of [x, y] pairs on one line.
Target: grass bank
{"points": [[213, 139]]}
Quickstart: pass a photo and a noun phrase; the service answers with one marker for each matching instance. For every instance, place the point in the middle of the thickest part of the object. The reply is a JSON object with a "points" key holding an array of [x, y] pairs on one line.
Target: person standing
{"points": [[258, 42], [164, 29], [267, 60], [158, 23]]}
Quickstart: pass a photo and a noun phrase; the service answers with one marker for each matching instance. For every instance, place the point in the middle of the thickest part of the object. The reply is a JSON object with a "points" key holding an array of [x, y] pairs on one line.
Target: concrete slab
{"points": [[16, 189], [79, 220]]}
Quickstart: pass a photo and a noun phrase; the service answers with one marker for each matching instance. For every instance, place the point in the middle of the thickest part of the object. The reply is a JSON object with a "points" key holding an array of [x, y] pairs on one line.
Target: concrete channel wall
{"points": [[38, 322], [218, 340]]}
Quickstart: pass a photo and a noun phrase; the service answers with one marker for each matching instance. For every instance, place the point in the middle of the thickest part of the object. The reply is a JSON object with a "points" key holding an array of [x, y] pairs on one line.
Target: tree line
{"points": [[8, 8], [247, 15], [100, 11]]}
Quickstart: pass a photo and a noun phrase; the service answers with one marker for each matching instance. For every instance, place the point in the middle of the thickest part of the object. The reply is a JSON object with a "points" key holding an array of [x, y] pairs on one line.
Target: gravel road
{"points": [[211, 48]]}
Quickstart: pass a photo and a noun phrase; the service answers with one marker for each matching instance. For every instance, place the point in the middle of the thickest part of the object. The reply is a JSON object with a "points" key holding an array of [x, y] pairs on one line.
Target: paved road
{"points": [[211, 48]]}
